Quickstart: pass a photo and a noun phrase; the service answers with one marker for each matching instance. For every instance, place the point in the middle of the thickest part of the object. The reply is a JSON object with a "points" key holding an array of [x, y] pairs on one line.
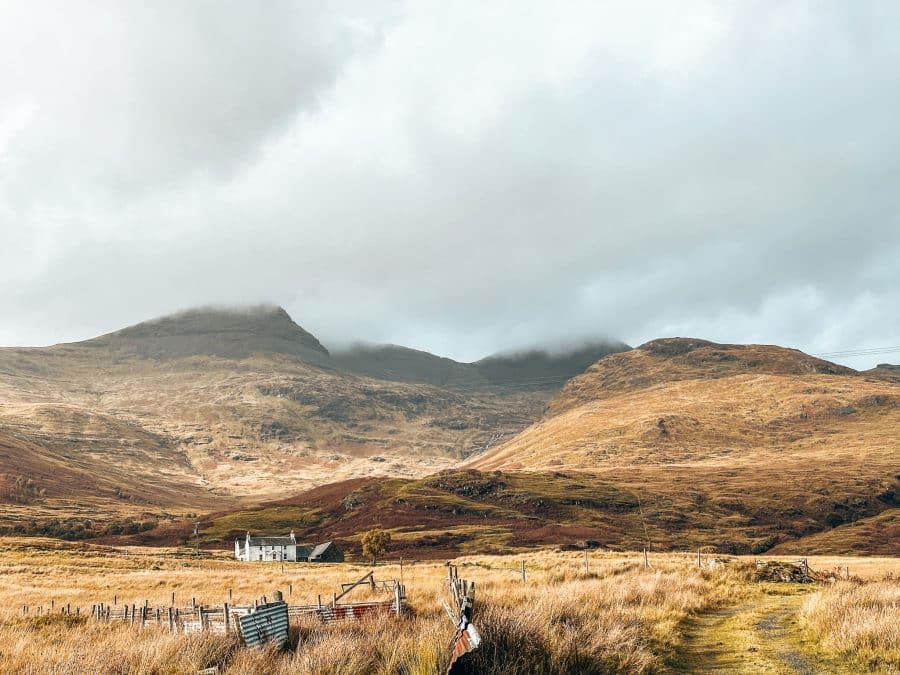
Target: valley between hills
{"points": [[245, 420]]}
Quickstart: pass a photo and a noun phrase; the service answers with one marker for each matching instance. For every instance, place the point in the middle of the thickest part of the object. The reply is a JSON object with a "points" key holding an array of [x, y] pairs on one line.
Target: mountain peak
{"points": [[667, 360], [229, 332], [705, 359]]}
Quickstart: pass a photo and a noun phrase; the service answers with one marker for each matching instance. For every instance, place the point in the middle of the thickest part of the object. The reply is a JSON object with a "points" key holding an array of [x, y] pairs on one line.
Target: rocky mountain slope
{"points": [[246, 416], [534, 369], [773, 434], [675, 445], [216, 406], [683, 401]]}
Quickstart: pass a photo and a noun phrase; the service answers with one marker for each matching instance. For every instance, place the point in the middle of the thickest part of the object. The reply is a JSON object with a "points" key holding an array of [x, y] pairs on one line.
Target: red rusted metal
{"points": [[355, 611], [466, 638], [465, 641]]}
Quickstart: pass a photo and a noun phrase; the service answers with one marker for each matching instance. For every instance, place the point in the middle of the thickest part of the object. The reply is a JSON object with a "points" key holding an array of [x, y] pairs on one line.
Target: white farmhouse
{"points": [[267, 548]]}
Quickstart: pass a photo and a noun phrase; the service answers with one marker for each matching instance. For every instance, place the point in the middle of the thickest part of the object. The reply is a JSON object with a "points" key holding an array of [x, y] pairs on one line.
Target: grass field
{"points": [[615, 616]]}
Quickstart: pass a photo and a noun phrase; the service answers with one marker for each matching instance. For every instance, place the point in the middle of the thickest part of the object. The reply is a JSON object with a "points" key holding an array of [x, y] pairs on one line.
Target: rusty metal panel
{"points": [[465, 641], [355, 611], [266, 624]]}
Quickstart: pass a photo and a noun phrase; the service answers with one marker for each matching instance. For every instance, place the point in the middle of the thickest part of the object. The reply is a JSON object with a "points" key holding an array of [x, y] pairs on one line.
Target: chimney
{"points": [[293, 538]]}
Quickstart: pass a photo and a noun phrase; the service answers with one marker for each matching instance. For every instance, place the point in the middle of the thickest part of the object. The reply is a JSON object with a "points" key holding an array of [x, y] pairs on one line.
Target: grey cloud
{"points": [[468, 180]]}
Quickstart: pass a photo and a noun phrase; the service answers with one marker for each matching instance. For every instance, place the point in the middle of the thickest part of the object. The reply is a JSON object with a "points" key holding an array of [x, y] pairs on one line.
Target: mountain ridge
{"points": [[231, 405]]}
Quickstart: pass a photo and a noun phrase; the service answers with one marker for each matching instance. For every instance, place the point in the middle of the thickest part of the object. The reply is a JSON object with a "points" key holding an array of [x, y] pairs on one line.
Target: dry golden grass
{"points": [[743, 421], [858, 621], [615, 617]]}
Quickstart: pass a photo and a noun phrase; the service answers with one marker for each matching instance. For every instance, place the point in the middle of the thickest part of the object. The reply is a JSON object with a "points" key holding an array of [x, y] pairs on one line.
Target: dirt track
{"points": [[759, 636]]}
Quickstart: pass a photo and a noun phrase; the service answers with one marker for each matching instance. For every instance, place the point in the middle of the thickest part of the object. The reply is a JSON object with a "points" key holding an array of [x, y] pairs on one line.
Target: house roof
{"points": [[319, 550], [271, 541]]}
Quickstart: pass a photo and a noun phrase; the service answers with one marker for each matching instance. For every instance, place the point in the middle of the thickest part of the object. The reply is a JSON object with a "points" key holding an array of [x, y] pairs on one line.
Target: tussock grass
{"points": [[618, 616], [858, 620]]}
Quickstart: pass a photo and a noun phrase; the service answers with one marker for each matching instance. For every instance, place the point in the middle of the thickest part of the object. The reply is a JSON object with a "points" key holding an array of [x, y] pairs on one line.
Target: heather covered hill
{"points": [[875, 535], [53, 485], [680, 442], [464, 511]]}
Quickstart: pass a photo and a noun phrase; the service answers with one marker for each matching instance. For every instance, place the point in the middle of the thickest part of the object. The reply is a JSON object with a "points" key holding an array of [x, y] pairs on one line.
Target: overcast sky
{"points": [[456, 177]]}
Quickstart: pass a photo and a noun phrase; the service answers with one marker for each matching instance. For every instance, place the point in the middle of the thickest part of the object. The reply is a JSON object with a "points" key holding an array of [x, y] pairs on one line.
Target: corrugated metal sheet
{"points": [[266, 624], [464, 641]]}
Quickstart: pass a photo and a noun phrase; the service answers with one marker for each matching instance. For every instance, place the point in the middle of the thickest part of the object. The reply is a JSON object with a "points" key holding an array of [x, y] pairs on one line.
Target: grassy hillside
{"points": [[677, 444], [209, 407], [455, 512], [788, 443], [876, 535]]}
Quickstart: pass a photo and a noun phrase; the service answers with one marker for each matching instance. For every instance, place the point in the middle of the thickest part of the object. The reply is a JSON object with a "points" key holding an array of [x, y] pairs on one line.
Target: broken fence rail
{"points": [[467, 638], [227, 618]]}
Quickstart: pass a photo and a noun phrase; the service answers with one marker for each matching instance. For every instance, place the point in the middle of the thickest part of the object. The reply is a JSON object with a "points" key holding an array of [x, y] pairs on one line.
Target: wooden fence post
{"points": [[699, 560], [524, 579], [227, 620]]}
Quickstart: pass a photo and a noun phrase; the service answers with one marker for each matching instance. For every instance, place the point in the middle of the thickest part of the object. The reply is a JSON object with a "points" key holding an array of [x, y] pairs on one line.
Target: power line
{"points": [[872, 351]]}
